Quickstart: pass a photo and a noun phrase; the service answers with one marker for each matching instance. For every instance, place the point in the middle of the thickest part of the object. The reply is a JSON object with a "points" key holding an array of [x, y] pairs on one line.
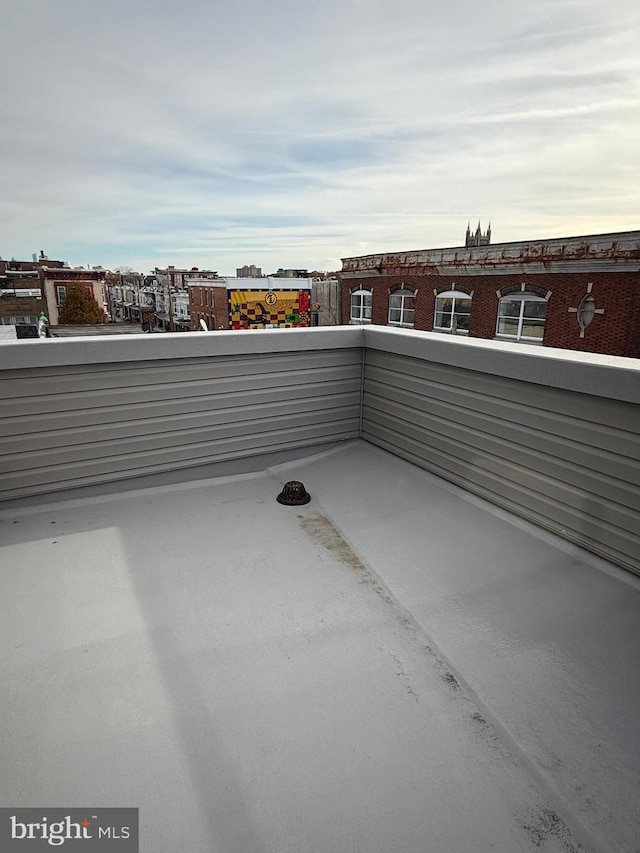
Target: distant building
{"points": [[208, 304], [237, 303], [55, 282], [130, 299], [249, 271], [325, 302], [21, 306], [291, 274], [580, 293], [170, 287], [477, 239], [21, 299], [178, 278]]}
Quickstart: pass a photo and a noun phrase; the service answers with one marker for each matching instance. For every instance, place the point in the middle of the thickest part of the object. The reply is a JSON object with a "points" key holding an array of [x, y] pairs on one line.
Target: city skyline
{"points": [[295, 136]]}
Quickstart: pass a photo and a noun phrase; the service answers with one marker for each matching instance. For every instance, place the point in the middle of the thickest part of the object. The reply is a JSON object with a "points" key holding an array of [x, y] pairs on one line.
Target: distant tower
{"points": [[477, 239]]}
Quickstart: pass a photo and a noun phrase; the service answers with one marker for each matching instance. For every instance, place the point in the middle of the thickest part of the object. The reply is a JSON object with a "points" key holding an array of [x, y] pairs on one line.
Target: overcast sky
{"points": [[214, 133]]}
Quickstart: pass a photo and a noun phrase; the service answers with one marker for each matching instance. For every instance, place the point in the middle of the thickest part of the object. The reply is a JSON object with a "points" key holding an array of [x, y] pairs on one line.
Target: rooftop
{"points": [[604, 252], [399, 664]]}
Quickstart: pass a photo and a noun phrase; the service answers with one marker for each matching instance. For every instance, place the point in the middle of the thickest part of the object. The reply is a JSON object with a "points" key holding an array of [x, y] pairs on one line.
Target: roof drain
{"points": [[294, 494]]}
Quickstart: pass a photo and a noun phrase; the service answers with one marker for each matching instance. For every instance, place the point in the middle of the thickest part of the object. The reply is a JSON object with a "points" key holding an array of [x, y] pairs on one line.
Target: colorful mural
{"points": [[268, 309]]}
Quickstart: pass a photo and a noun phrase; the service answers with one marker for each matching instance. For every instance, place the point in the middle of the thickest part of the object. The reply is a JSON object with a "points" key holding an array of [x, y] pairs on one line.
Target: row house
{"points": [[131, 299], [21, 299], [172, 295], [55, 282]]}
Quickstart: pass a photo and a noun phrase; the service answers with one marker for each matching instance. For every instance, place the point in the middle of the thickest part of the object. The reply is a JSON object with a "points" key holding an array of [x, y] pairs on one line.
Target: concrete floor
{"points": [[395, 666]]}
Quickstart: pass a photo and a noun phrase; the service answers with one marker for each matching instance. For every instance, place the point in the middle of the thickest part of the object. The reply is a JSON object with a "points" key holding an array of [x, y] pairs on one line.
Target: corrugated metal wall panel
{"points": [[567, 461], [67, 426], [554, 438]]}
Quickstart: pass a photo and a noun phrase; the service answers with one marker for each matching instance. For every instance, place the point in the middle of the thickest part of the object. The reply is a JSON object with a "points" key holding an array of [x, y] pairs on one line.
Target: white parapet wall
{"points": [[90, 410], [551, 435]]}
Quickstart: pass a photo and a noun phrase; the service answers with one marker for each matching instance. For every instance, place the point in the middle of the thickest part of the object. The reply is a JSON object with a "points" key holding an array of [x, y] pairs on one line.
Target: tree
{"points": [[79, 306]]}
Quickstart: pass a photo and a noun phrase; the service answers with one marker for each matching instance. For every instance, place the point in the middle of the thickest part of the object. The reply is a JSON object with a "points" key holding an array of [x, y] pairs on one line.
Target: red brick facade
{"points": [[210, 304], [614, 284]]}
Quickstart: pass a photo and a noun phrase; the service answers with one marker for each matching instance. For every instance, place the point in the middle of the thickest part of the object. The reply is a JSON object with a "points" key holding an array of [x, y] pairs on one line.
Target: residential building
{"points": [[291, 273], [249, 271], [208, 304], [580, 293], [21, 307], [178, 278], [21, 299], [55, 282], [171, 288], [130, 298], [171, 303]]}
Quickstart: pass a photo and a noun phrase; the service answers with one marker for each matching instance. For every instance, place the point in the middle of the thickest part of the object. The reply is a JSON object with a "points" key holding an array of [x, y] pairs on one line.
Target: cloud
{"points": [[285, 133]]}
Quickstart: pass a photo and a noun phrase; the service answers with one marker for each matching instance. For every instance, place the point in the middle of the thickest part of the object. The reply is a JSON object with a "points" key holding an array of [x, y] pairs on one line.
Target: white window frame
{"points": [[404, 312], [523, 297], [358, 309], [456, 296], [61, 293]]}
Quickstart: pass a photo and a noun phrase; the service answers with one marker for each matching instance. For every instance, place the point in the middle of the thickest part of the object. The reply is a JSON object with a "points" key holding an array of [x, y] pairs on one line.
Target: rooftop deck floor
{"points": [[395, 666]]}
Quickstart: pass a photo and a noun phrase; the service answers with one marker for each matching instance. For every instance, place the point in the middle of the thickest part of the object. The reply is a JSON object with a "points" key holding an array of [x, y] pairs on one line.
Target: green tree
{"points": [[79, 306]]}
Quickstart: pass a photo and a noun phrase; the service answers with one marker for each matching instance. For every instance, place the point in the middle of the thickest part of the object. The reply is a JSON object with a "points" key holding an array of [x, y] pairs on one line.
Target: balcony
{"points": [[439, 651]]}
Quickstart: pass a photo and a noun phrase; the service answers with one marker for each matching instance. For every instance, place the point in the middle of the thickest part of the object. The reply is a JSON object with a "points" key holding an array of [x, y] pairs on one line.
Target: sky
{"points": [[213, 133]]}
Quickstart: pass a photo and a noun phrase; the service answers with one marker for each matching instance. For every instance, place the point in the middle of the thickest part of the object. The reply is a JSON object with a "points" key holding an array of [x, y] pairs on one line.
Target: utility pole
{"points": [[170, 286]]}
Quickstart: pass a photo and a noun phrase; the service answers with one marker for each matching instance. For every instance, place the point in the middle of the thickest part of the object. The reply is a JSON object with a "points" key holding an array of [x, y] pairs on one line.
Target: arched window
{"points": [[521, 316], [360, 306], [453, 310], [402, 308]]}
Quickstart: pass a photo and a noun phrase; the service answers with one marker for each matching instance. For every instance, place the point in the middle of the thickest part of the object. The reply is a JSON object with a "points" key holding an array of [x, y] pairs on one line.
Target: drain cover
{"points": [[294, 494]]}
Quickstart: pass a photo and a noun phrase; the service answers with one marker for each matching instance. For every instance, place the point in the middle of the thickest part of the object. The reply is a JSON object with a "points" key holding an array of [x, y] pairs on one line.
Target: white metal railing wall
{"points": [[552, 436], [115, 410]]}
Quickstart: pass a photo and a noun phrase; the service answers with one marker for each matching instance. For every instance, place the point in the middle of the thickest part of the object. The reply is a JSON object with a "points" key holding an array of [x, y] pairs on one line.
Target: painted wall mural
{"points": [[268, 309]]}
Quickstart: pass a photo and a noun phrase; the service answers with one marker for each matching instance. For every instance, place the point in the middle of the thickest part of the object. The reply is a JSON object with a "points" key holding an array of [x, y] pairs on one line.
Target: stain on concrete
{"points": [[545, 828], [450, 679], [488, 736], [323, 533], [546, 825]]}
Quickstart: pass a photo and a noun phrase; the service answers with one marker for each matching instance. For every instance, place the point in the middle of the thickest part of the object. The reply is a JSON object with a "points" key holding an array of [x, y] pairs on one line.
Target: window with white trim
{"points": [[402, 308], [453, 312], [521, 317], [61, 292], [360, 306]]}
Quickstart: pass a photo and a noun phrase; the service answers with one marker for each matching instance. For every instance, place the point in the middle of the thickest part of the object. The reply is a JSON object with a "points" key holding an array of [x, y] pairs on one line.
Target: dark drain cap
{"points": [[294, 494]]}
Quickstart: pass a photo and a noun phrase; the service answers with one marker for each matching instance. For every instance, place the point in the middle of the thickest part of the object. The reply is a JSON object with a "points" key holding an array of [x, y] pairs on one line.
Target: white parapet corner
{"points": [[610, 376]]}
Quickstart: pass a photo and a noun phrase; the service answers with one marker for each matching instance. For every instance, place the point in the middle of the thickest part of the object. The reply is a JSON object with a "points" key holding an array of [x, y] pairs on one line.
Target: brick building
{"points": [[55, 282], [208, 304], [580, 293], [248, 303]]}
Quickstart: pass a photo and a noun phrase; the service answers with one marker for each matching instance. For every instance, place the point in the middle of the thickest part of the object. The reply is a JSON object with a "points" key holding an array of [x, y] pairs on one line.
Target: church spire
{"points": [[477, 238]]}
